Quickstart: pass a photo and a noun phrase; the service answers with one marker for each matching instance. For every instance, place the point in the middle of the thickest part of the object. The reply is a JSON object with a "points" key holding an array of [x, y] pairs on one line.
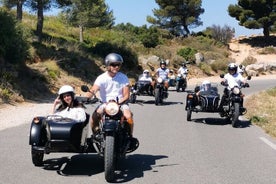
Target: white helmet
{"points": [[206, 82], [146, 71], [232, 66], [65, 89], [206, 85]]}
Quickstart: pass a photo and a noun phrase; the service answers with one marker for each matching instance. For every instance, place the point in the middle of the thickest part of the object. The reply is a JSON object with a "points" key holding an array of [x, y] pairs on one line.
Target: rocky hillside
{"points": [[35, 89]]}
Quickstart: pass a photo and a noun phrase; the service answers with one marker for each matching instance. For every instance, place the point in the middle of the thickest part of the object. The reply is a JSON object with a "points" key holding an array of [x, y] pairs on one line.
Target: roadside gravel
{"points": [[14, 115]]}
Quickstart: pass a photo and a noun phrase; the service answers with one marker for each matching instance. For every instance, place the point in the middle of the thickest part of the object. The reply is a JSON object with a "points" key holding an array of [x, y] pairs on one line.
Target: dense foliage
{"points": [[13, 39], [254, 14], [177, 15]]}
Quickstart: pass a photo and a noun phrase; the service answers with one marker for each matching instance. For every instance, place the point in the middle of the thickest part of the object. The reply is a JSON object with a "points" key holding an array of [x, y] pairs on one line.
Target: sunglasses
{"points": [[115, 64]]}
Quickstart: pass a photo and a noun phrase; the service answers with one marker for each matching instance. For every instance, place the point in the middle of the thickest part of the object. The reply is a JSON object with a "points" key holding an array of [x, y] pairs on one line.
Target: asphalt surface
{"points": [[206, 150]]}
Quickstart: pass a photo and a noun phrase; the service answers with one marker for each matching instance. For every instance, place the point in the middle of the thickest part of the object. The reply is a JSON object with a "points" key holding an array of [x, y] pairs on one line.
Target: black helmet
{"points": [[184, 64], [113, 58], [162, 62], [233, 67]]}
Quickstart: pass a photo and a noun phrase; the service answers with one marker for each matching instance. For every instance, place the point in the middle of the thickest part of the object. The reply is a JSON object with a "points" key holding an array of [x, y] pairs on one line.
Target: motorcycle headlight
{"points": [[159, 80], [236, 90], [112, 108]]}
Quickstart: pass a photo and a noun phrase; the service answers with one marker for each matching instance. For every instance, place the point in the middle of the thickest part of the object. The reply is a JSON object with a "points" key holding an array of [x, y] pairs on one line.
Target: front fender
{"points": [[36, 131], [110, 125]]}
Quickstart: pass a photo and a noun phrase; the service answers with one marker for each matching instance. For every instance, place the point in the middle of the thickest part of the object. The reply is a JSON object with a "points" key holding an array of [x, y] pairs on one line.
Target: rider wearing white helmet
{"points": [[68, 106], [146, 76], [232, 78]]}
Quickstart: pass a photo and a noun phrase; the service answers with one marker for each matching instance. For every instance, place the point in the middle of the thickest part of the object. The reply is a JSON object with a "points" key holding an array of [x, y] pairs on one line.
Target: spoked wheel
{"points": [[37, 157], [235, 115], [109, 158]]}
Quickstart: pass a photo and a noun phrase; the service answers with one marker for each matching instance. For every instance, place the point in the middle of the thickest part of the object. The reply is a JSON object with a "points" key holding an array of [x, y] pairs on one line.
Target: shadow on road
{"points": [[221, 121], [142, 102], [128, 169]]}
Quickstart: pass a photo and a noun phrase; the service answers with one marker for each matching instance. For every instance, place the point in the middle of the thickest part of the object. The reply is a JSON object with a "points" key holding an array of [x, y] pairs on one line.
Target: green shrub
{"points": [[205, 68], [187, 53], [13, 38]]}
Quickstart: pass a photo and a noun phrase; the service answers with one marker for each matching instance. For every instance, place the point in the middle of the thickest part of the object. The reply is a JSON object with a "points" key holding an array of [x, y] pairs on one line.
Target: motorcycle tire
{"points": [[235, 115], [177, 87], [157, 96], [189, 114], [109, 158], [37, 158], [132, 98], [184, 87]]}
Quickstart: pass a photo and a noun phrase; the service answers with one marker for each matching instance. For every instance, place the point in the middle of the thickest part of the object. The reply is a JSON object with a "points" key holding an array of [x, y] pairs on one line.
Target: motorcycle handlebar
{"points": [[87, 100]]}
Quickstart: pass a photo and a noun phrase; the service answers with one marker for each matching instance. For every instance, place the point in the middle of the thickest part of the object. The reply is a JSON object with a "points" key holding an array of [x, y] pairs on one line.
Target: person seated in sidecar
{"points": [[144, 83], [171, 78], [65, 105], [204, 89], [145, 76]]}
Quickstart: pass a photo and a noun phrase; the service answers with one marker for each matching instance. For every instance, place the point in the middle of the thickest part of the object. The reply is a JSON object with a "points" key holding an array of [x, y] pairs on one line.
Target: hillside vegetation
{"points": [[61, 59]]}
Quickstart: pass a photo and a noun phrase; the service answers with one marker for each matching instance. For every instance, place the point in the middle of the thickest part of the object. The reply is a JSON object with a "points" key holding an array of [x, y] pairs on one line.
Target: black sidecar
{"points": [[202, 101], [57, 134], [140, 88]]}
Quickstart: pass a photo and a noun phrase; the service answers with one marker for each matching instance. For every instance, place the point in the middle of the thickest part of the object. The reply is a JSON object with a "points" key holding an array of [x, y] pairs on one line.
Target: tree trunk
{"points": [[40, 20], [185, 27], [19, 11], [266, 31], [81, 33]]}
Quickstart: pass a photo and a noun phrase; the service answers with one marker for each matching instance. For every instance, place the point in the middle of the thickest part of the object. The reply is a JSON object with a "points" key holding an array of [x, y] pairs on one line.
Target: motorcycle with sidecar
{"points": [[140, 88], [57, 134], [231, 104], [202, 101]]}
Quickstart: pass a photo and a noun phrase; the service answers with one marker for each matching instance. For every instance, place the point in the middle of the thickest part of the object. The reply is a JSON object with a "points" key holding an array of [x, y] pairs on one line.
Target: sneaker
{"points": [[243, 110]]}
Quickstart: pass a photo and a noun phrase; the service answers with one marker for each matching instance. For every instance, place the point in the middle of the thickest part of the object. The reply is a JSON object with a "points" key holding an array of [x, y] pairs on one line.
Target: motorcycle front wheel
{"points": [[109, 158], [235, 115], [157, 96]]}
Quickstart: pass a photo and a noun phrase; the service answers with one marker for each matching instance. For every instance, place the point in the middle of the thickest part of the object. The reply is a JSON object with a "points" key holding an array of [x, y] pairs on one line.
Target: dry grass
{"points": [[263, 111]]}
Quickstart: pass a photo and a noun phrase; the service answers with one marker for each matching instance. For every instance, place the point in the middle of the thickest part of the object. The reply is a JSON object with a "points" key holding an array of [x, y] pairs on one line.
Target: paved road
{"points": [[206, 150]]}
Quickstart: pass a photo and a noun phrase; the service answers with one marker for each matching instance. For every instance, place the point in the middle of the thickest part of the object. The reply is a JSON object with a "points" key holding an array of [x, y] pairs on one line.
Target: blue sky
{"points": [[136, 12]]}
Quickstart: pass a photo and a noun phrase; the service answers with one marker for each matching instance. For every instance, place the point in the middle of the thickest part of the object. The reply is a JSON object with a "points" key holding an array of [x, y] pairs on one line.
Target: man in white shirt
{"points": [[112, 85]]}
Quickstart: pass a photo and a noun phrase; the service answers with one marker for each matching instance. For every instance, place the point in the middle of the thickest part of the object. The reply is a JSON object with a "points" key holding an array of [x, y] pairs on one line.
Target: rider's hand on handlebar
{"points": [[246, 85]]}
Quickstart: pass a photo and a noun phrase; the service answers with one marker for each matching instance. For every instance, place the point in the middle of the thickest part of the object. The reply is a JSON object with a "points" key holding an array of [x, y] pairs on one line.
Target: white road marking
{"points": [[272, 145]]}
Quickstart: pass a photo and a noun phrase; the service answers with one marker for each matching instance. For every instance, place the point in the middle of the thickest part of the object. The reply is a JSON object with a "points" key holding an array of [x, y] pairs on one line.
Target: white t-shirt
{"points": [[163, 73], [111, 88], [183, 71], [234, 80], [76, 113]]}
